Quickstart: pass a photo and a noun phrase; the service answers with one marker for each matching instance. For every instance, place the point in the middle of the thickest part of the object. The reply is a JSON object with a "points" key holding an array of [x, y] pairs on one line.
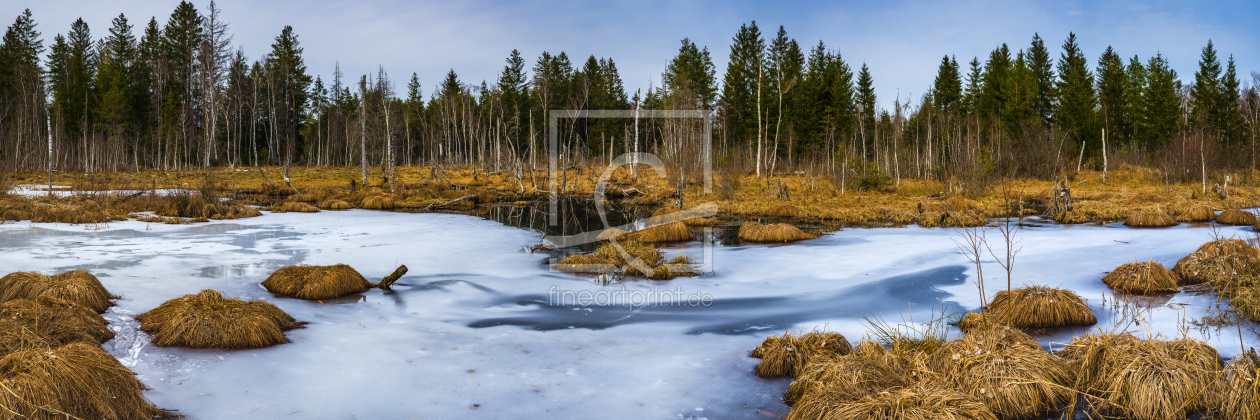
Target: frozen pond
{"points": [[473, 329]]}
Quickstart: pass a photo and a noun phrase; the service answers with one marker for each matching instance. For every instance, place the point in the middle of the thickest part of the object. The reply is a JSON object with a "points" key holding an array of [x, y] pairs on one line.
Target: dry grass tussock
{"points": [[56, 320], [335, 205], [869, 369], [1236, 217], [1143, 379], [1149, 218], [1199, 213], [1237, 395], [1219, 263], [752, 231], [316, 282], [77, 380], [669, 232], [1040, 307], [1142, 278], [293, 206], [788, 354], [378, 202], [1007, 371], [211, 320], [76, 286], [924, 401]]}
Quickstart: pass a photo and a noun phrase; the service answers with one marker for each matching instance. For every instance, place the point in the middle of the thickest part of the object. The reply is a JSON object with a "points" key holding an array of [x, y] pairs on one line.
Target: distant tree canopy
{"points": [[177, 95]]}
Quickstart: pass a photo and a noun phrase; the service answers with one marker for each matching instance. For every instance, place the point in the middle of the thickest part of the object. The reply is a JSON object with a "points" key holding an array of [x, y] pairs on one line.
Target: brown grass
{"points": [[335, 205], [78, 380], [1198, 214], [783, 210], [1143, 379], [869, 369], [1237, 395], [57, 320], [669, 232], [1007, 371], [304, 198], [378, 202], [778, 232], [1219, 262], [610, 234], [1040, 307], [1236, 217], [584, 263], [639, 260], [76, 286], [788, 354], [918, 402], [211, 320], [1149, 218], [316, 282], [294, 206], [1142, 278]]}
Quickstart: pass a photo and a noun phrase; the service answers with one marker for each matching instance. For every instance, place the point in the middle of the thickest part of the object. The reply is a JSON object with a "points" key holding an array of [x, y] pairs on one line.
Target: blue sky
{"points": [[901, 41]]}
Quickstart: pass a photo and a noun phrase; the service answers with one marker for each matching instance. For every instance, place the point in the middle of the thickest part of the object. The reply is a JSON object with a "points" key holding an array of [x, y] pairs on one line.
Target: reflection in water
{"points": [[744, 315]]}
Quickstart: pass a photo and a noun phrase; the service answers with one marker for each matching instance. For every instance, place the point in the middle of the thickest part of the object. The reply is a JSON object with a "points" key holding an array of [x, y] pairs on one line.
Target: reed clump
{"points": [[1198, 214], [316, 282], [1143, 379], [918, 402], [57, 320], [752, 231], [294, 206], [1149, 218], [1040, 307], [788, 354], [211, 320], [669, 232], [335, 205], [76, 380], [1220, 263], [783, 210], [1007, 371], [378, 202], [1236, 396], [1236, 217], [77, 286], [1142, 278], [868, 369]]}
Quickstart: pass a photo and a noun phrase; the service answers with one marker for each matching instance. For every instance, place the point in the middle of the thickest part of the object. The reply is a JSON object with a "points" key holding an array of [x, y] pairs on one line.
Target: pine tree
{"points": [[291, 83], [692, 72], [1075, 107], [1043, 72], [993, 94], [114, 87], [1113, 87], [71, 67], [1230, 118], [975, 82], [744, 73], [1161, 117], [1205, 107], [866, 110], [1135, 79], [947, 87], [1021, 94]]}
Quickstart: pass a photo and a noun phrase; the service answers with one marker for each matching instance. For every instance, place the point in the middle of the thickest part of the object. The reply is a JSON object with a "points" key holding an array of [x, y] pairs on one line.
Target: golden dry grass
{"points": [[1007, 371], [783, 210], [1220, 262], [1143, 379], [869, 369], [75, 286], [752, 231], [335, 205], [1198, 214], [669, 232], [316, 282], [584, 263], [78, 380], [610, 234], [303, 197], [1142, 278], [1237, 395], [211, 320], [294, 206], [788, 354], [917, 402], [57, 320], [1149, 218], [1236, 217], [1040, 307], [378, 202]]}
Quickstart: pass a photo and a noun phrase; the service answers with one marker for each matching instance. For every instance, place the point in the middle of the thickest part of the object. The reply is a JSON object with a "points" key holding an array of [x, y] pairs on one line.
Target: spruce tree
{"points": [[1230, 116], [866, 102], [1043, 72], [1113, 83], [739, 86], [947, 87], [1161, 116], [692, 72], [1075, 107], [975, 82], [1135, 79]]}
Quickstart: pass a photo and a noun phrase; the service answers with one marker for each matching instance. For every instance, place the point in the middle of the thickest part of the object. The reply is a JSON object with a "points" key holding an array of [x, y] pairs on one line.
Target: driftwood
{"points": [[432, 206], [392, 277]]}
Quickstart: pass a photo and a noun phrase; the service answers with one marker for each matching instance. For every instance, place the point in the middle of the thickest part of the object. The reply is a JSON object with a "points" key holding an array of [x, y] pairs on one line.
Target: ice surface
{"points": [[472, 331]]}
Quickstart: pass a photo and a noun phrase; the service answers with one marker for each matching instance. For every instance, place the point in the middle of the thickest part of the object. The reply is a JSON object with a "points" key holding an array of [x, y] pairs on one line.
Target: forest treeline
{"points": [[178, 95]]}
